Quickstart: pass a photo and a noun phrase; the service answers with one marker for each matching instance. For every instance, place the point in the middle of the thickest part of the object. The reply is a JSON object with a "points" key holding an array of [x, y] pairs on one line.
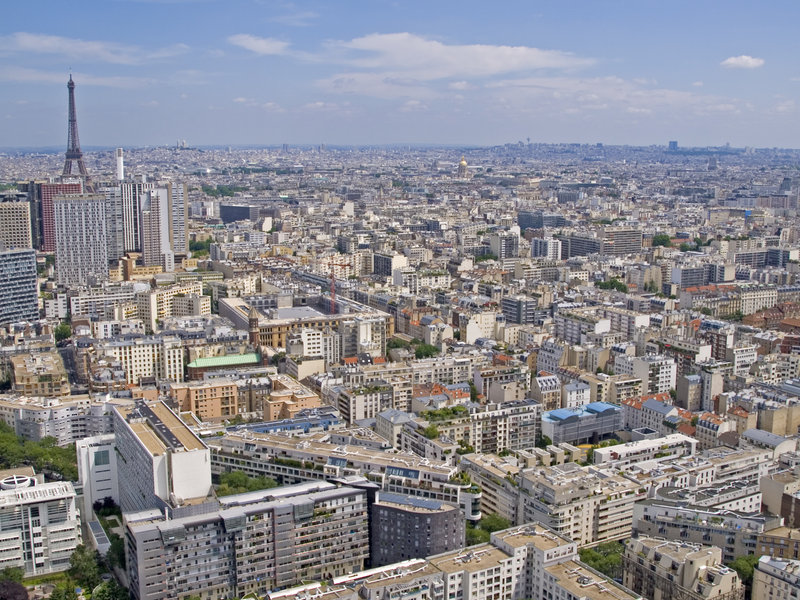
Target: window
{"points": [[101, 458]]}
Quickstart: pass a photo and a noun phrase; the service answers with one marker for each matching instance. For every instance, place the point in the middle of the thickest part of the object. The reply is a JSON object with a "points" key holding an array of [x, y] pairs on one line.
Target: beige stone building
{"points": [[664, 570], [41, 374]]}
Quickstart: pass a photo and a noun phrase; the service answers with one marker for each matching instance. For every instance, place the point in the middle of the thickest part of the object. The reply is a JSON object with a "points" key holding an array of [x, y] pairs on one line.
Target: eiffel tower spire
{"points": [[74, 165]]}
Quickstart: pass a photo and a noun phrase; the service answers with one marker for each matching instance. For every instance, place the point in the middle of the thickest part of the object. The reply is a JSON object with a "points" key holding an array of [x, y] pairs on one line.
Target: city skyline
{"points": [[266, 73]]}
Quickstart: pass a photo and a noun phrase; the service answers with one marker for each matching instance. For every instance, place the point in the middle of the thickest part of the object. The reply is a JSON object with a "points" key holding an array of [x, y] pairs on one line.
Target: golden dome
{"points": [[463, 162]]}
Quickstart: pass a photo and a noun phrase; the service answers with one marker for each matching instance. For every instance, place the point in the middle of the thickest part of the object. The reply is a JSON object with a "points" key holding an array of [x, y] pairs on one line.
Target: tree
{"points": [[110, 590], [485, 257], [426, 351], [494, 522], [116, 552], [64, 591], [62, 332], [475, 535], [237, 482], [684, 247], [606, 558], [84, 567], [744, 566], [13, 590], [431, 432], [12, 574], [544, 442], [612, 284], [661, 239], [473, 391]]}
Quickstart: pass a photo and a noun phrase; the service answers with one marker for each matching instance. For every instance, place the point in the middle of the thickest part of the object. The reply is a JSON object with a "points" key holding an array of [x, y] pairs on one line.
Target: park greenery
{"points": [[237, 482], [612, 284], [62, 332], [44, 456], [480, 533], [221, 190], [662, 239], [446, 413], [485, 257], [420, 348], [606, 558], [200, 248]]}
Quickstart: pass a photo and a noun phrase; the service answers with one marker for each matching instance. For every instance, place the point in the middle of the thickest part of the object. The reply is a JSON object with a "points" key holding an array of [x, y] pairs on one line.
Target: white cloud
{"points": [[742, 62], [376, 85], [460, 85], [321, 106], [413, 106], [572, 95], [427, 60], [697, 84], [259, 45], [89, 50]]}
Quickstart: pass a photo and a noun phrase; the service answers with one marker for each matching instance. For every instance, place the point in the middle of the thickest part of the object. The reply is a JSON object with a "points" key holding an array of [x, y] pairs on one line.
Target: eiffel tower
{"points": [[74, 165]]}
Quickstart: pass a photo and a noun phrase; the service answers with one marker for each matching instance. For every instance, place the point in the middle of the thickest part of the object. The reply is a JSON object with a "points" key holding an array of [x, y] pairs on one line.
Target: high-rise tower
{"points": [[74, 165]]}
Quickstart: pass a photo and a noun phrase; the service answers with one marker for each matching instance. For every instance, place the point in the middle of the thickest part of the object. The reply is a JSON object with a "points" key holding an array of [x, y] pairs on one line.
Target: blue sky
{"points": [[149, 72]]}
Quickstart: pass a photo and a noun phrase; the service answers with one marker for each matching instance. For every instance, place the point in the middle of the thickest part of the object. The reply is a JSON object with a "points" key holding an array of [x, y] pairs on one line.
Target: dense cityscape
{"points": [[544, 371]]}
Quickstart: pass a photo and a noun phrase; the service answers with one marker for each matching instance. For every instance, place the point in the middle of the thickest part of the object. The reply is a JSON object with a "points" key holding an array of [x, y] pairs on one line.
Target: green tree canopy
{"points": [[661, 239], [84, 567], [62, 332], [237, 482], [426, 351], [744, 566]]}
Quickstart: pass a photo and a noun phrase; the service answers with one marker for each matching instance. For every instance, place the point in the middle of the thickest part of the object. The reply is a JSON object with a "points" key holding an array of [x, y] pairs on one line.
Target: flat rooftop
{"points": [[541, 538], [472, 559], [297, 312], [583, 583], [159, 428]]}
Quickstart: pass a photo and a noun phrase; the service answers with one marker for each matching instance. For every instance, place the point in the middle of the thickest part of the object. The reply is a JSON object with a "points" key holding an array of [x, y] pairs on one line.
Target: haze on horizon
{"points": [[257, 72]]}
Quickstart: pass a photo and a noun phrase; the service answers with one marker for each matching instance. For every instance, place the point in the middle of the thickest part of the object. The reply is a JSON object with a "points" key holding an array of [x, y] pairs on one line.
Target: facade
{"points": [[584, 424], [734, 532], [248, 543], [15, 224], [667, 570], [315, 456], [146, 357], [97, 471], [40, 524], [208, 400], [40, 374], [67, 419], [658, 373], [404, 527], [19, 294], [776, 579], [47, 194], [161, 461], [80, 239], [155, 234], [587, 505]]}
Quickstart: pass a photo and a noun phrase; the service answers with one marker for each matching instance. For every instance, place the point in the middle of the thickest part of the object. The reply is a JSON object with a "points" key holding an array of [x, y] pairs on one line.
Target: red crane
{"points": [[333, 284]]}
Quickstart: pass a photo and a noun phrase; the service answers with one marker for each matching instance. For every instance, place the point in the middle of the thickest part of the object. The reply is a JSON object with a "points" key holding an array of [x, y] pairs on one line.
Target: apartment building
{"points": [[152, 306], [40, 525], [317, 456], [248, 543], [209, 400], [19, 295], [776, 579], [585, 504], [661, 448], [584, 424], [161, 462], [734, 532], [666, 570], [523, 562], [40, 374], [159, 357], [658, 373], [404, 527], [67, 419]]}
